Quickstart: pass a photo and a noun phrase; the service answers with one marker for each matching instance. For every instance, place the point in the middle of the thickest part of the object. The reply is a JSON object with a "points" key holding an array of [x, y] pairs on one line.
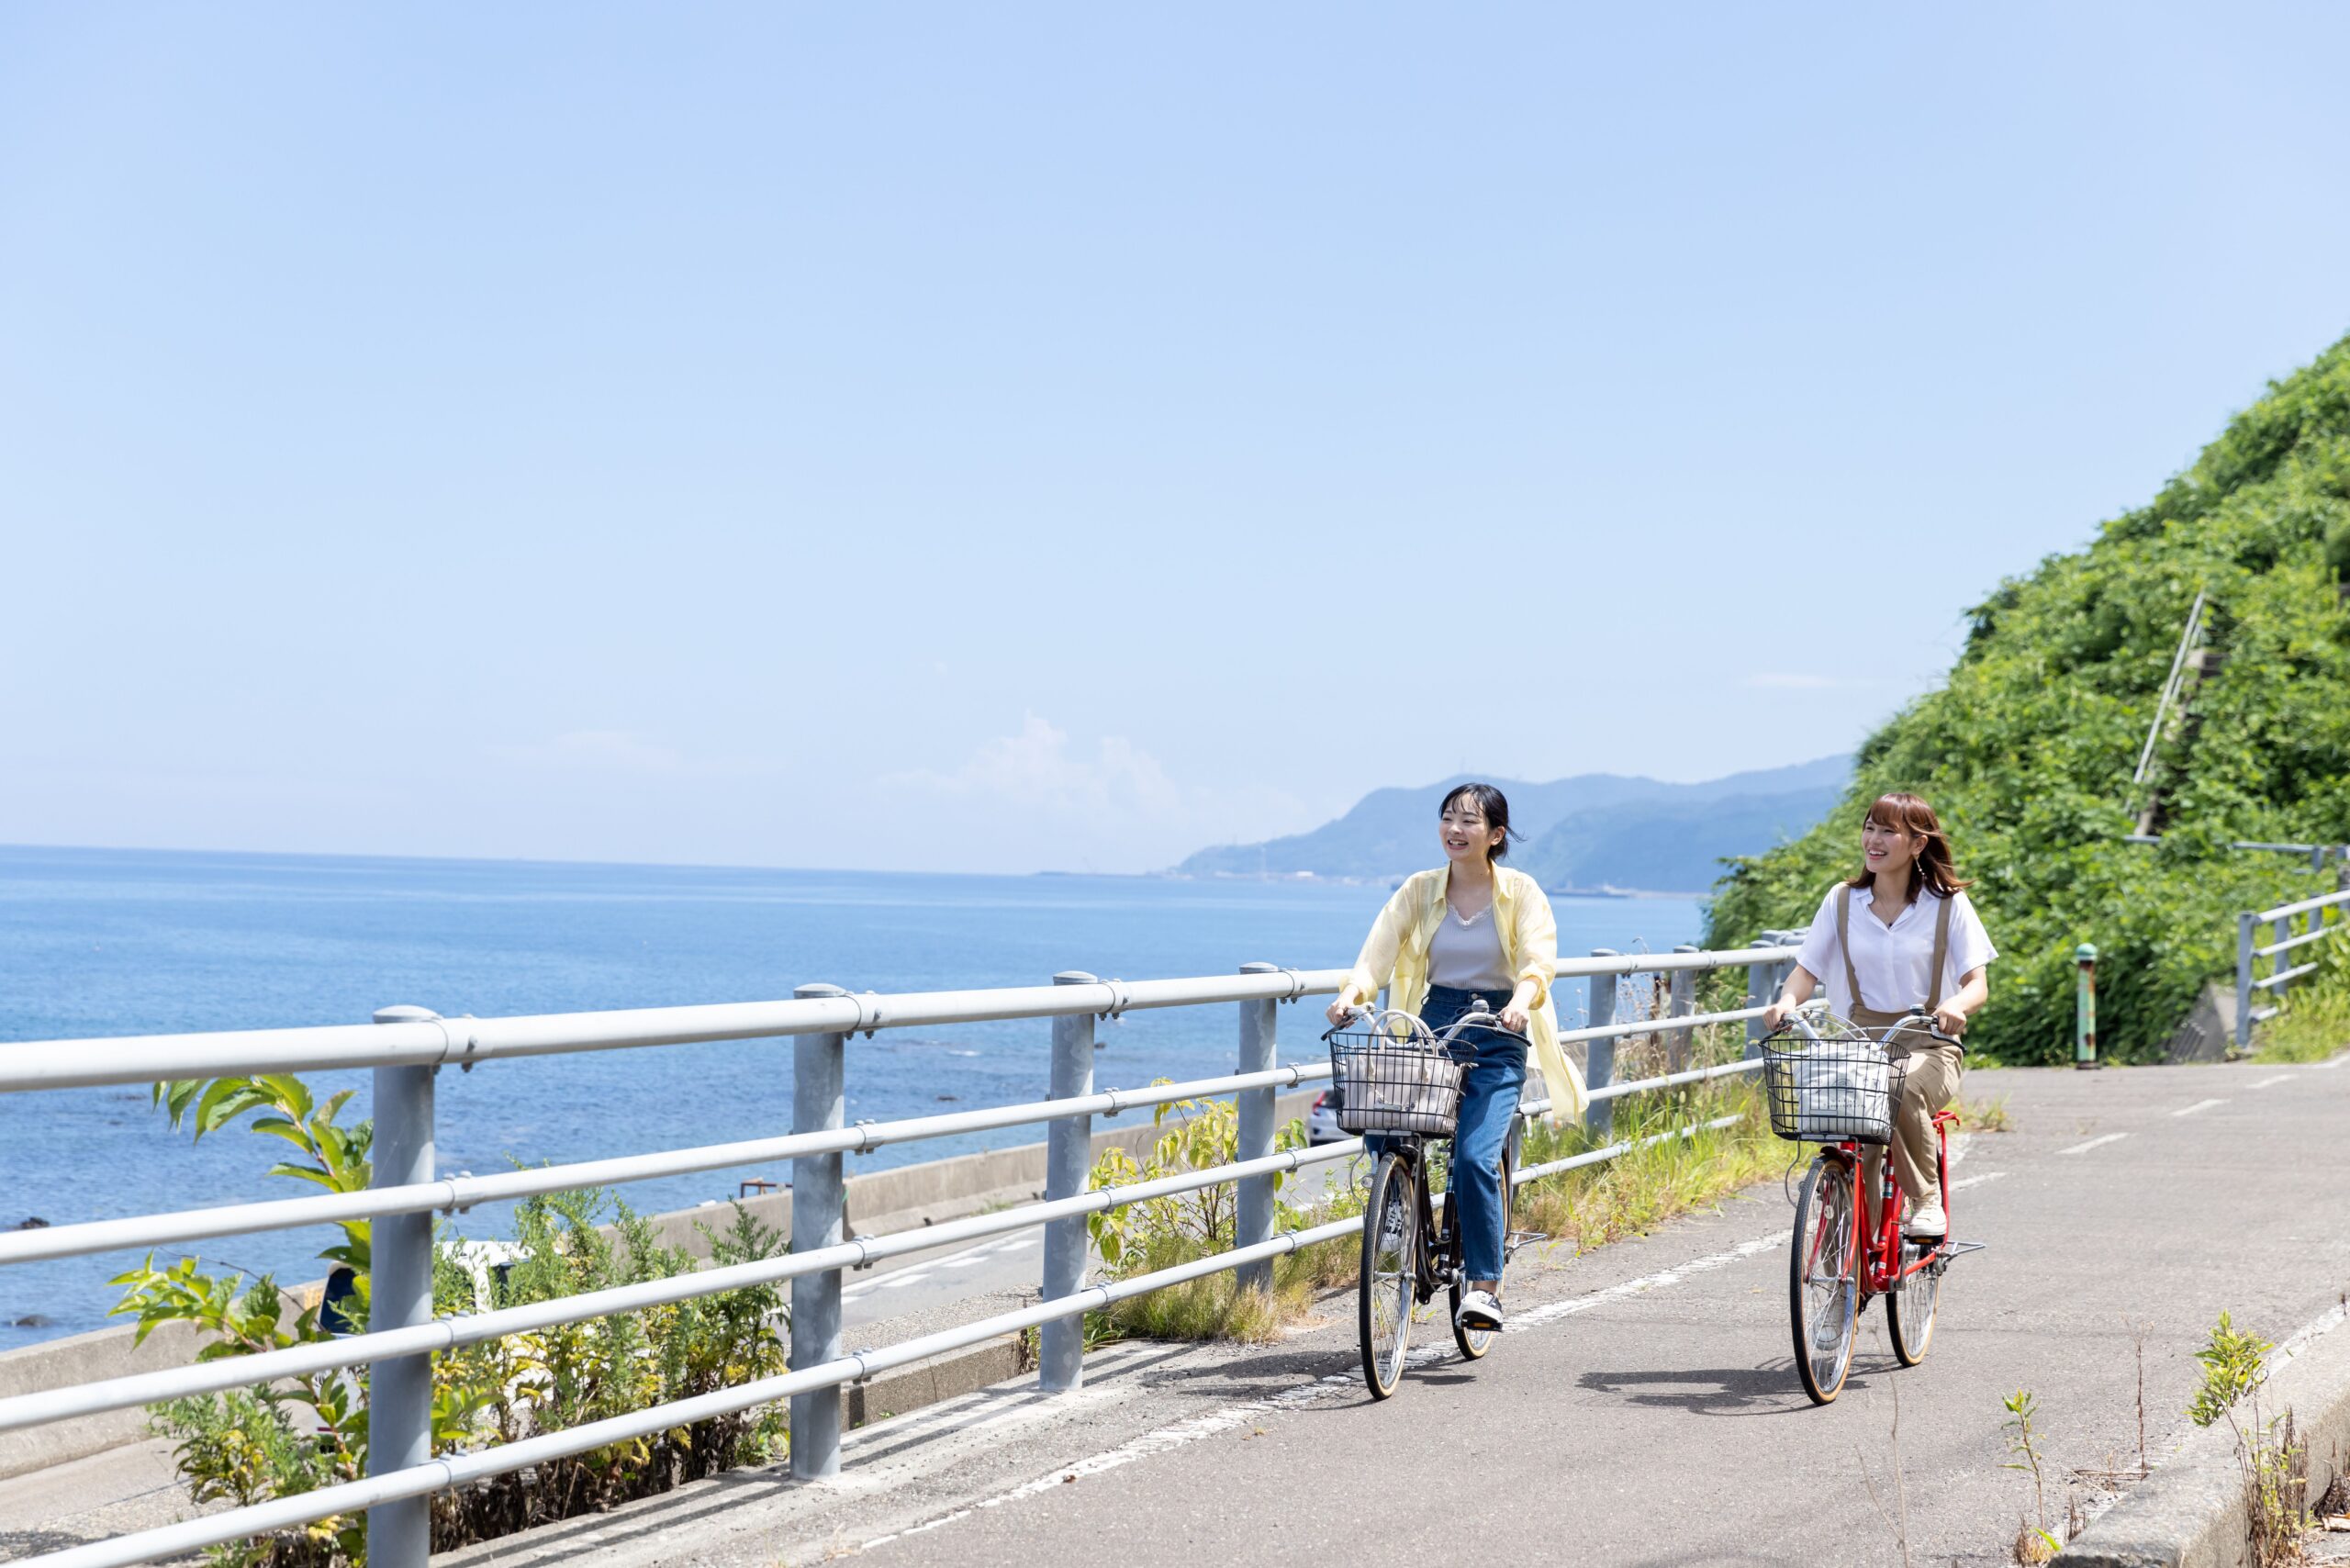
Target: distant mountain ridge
{"points": [[1590, 830]]}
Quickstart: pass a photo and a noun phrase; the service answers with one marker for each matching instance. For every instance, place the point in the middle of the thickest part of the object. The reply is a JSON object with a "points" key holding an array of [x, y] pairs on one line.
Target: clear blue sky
{"points": [[1014, 436]]}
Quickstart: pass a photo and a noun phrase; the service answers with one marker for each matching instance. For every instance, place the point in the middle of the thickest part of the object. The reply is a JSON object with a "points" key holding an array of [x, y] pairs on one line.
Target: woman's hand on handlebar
{"points": [[1514, 1018], [1342, 1011], [1775, 1015], [1950, 1020]]}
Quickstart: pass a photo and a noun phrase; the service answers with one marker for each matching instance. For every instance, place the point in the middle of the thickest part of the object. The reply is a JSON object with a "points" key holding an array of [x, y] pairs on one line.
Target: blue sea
{"points": [[106, 942]]}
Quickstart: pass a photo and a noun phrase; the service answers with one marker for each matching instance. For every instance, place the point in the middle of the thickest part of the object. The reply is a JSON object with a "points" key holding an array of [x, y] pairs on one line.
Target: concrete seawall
{"points": [[905, 1198]]}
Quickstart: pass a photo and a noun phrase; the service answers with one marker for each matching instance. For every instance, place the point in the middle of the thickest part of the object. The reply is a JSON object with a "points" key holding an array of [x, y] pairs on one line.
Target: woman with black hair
{"points": [[1472, 930], [1901, 932]]}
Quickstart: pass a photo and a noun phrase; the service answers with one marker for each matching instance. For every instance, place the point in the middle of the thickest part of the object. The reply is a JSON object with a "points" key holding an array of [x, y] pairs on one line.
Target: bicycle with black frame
{"points": [[1836, 1085], [1392, 1076]]}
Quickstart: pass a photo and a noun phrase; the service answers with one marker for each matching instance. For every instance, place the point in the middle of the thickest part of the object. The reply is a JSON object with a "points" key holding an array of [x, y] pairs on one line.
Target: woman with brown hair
{"points": [[1901, 934]]}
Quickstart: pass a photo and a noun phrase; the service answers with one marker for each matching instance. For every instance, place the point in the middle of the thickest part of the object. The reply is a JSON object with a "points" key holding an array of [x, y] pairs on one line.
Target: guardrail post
{"points": [[1599, 1055], [1684, 1001], [1758, 993], [2279, 930], [819, 1218], [2245, 925], [400, 1391], [1068, 1154], [1258, 1024]]}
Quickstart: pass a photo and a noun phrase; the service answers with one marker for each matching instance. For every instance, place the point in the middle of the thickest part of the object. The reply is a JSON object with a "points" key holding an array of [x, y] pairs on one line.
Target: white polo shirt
{"points": [[1894, 961]]}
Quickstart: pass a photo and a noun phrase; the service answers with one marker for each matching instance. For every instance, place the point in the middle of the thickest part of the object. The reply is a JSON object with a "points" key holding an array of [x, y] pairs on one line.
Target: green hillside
{"points": [[2027, 752]]}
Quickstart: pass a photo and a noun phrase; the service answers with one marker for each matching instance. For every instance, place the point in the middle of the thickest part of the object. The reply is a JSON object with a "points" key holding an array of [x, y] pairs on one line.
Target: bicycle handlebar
{"points": [[1916, 1018], [1476, 1018]]}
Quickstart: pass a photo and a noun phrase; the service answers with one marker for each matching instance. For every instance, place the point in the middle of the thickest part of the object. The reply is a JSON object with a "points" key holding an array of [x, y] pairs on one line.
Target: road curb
{"points": [[2190, 1512]]}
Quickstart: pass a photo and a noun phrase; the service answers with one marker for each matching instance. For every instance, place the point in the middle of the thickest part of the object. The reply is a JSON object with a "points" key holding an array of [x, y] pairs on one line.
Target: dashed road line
{"points": [[1978, 1180], [970, 1258], [2280, 1078], [1180, 1434], [2092, 1143], [2199, 1105]]}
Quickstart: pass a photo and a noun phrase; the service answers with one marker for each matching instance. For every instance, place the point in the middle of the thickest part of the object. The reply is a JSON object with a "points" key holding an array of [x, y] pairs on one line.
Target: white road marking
{"points": [[1180, 1434], [1978, 1180], [2329, 1062], [2280, 1078], [2199, 1105], [2094, 1143], [1535, 1317], [970, 1257]]}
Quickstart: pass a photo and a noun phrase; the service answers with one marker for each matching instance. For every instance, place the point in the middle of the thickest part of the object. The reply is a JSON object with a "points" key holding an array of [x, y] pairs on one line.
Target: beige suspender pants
{"points": [[1929, 1082]]}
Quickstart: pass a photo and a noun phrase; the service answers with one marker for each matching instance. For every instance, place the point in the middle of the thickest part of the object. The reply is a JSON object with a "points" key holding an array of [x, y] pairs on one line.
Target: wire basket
{"points": [[1395, 1084], [1831, 1091]]}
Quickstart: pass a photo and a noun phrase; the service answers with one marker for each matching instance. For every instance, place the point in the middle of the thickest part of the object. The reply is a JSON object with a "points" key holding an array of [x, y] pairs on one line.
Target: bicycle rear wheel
{"points": [[1475, 1342], [1390, 1245], [1822, 1284], [1909, 1312]]}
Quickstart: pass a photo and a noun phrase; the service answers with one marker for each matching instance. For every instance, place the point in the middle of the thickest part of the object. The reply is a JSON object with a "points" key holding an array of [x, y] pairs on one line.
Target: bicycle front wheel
{"points": [[1822, 1285], [1391, 1233], [1475, 1342]]}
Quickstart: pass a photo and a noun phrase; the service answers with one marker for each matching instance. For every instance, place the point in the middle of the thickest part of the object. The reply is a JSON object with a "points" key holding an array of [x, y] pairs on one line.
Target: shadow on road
{"points": [[1766, 1390]]}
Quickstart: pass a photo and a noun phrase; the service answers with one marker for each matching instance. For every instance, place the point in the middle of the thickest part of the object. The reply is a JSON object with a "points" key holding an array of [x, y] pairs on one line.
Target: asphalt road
{"points": [[1643, 1408]]}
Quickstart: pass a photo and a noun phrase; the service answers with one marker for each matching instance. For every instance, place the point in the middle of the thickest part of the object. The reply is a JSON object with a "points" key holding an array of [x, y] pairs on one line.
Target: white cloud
{"points": [[1037, 768], [1112, 806]]}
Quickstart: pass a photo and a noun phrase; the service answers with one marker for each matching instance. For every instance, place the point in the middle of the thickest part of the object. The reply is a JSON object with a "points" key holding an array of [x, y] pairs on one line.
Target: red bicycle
{"points": [[1836, 1085]]}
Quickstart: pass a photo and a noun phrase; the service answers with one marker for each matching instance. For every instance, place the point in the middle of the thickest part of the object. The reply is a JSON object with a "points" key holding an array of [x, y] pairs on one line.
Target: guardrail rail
{"points": [[407, 1045], [2319, 918]]}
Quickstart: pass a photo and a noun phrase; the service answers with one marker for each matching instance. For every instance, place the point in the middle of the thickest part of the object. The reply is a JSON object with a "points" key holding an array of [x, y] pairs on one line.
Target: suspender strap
{"points": [[1844, 943], [1941, 950]]}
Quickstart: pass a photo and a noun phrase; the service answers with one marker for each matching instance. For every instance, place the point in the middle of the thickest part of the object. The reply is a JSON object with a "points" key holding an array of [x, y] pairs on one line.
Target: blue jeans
{"points": [[1492, 1086]]}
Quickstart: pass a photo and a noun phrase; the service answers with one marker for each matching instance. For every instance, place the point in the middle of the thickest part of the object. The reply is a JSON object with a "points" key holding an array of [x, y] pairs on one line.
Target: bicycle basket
{"points": [[1831, 1090], [1391, 1083]]}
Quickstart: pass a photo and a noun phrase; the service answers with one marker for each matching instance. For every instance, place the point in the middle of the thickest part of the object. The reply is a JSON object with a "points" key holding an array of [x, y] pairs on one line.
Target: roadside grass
{"points": [[1642, 1188], [2315, 1022], [1984, 1115]]}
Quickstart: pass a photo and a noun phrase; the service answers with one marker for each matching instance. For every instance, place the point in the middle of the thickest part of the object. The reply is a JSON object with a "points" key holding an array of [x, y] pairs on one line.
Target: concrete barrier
{"points": [[903, 1198], [2190, 1512]]}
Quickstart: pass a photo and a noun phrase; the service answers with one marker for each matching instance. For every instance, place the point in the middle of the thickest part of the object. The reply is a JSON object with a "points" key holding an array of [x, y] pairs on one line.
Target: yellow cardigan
{"points": [[1396, 955]]}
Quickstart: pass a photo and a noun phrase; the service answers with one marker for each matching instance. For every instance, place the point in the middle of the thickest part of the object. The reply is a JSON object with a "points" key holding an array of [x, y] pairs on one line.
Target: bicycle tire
{"points": [[1822, 1285], [1909, 1314], [1384, 1294], [1911, 1310], [1475, 1342]]}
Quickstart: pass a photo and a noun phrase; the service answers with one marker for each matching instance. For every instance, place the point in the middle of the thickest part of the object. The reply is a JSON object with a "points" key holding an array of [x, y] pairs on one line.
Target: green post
{"points": [[2085, 1008]]}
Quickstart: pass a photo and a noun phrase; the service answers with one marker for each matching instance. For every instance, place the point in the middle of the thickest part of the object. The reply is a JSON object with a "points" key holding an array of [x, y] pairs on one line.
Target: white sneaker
{"points": [[1927, 1219], [1479, 1309], [1391, 1234]]}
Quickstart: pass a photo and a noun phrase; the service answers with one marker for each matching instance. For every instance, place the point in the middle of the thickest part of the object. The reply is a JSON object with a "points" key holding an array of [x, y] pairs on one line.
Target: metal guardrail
{"points": [[2319, 854], [408, 1045], [2282, 940]]}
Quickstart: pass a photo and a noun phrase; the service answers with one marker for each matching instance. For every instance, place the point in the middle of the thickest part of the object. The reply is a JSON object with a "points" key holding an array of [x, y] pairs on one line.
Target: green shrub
{"points": [[249, 1446], [2026, 750], [1162, 1233]]}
